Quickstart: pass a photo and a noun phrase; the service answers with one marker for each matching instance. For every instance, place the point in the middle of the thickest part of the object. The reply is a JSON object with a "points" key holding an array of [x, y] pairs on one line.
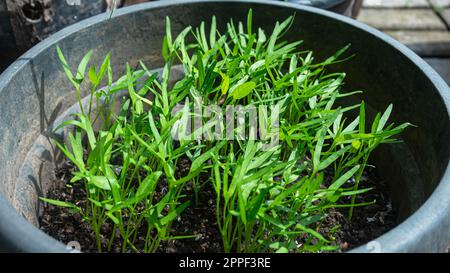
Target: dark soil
{"points": [[368, 222]]}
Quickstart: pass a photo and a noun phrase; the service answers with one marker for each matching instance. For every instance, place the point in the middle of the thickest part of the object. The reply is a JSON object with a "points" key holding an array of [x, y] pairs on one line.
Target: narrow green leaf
{"points": [[344, 178], [249, 22], [243, 90], [82, 66], [362, 118], [60, 203], [212, 34], [384, 118], [332, 158], [225, 84], [148, 184], [102, 182], [175, 213]]}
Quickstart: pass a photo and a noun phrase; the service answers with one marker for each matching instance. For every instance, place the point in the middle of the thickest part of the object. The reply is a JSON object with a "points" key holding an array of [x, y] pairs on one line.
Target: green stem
{"points": [[357, 179]]}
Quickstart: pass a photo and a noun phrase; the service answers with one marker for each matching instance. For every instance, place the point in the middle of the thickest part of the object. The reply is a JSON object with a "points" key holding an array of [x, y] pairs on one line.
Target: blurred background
{"points": [[422, 25]]}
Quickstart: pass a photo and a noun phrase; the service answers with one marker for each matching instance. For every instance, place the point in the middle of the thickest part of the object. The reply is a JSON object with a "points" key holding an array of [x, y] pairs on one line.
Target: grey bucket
{"points": [[32, 93]]}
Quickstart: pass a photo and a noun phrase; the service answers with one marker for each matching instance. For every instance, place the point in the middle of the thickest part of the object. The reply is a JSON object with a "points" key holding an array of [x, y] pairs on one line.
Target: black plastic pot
{"points": [[33, 94]]}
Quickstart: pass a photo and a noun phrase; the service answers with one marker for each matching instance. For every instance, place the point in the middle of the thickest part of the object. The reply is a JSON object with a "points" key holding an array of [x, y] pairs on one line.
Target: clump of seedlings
{"points": [[274, 183]]}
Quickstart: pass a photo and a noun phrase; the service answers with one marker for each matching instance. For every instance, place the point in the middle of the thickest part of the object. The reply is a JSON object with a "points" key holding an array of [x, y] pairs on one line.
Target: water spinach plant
{"points": [[273, 185]]}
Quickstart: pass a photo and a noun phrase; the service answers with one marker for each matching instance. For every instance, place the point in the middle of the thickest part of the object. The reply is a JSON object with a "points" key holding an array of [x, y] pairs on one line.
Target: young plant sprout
{"points": [[269, 180]]}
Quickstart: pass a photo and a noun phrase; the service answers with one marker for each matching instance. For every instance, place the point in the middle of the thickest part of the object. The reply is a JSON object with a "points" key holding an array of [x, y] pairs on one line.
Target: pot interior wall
{"points": [[34, 96]]}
